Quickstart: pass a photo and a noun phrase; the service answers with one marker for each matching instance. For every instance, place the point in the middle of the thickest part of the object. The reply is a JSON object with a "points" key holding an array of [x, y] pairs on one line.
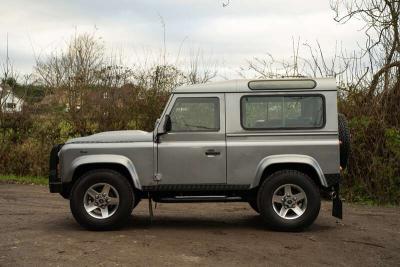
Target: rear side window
{"points": [[282, 112], [195, 114]]}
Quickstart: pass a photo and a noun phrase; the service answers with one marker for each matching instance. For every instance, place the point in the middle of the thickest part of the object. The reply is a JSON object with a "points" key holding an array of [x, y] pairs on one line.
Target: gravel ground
{"points": [[37, 229]]}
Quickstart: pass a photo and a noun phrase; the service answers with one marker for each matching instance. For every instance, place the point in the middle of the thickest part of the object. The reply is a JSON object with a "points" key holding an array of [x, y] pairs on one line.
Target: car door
{"points": [[194, 150]]}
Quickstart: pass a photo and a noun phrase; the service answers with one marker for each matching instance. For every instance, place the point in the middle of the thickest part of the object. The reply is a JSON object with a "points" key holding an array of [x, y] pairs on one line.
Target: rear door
{"points": [[194, 151]]}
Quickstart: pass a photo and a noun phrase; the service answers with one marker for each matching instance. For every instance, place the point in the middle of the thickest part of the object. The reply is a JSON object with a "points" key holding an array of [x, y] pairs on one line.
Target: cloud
{"points": [[229, 35]]}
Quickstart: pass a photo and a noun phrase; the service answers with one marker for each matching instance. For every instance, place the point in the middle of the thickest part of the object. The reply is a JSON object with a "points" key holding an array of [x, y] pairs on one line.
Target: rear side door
{"points": [[194, 151]]}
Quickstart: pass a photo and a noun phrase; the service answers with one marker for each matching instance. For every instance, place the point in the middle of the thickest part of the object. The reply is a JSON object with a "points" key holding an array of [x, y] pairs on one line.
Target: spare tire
{"points": [[344, 138]]}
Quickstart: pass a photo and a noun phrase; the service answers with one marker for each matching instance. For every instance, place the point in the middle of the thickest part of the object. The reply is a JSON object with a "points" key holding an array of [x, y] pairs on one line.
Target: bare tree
{"points": [[306, 60], [381, 20], [200, 70], [73, 72]]}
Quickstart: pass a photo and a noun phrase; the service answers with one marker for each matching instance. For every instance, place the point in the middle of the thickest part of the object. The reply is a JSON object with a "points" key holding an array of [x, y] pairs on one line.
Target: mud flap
{"points": [[337, 210]]}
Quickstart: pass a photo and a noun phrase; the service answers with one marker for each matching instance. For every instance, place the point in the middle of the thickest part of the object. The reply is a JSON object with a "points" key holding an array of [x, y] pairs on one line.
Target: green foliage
{"points": [[392, 137], [30, 92], [27, 137], [38, 180], [10, 81], [374, 170]]}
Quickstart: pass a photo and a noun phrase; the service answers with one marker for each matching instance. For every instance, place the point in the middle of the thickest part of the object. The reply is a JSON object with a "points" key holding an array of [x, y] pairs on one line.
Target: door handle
{"points": [[212, 152]]}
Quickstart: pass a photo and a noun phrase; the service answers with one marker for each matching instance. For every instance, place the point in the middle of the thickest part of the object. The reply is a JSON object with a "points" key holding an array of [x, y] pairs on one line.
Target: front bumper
{"points": [[333, 179], [55, 184], [56, 187]]}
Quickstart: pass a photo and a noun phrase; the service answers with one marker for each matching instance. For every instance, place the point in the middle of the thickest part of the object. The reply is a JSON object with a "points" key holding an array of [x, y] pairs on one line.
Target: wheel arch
{"points": [[303, 163], [117, 163]]}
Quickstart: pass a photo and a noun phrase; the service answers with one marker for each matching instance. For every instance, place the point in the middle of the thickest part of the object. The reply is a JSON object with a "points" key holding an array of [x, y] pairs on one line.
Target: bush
{"points": [[374, 170]]}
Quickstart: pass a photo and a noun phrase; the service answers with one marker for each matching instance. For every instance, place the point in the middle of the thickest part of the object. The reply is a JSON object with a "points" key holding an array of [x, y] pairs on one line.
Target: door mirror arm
{"points": [[165, 128], [167, 124]]}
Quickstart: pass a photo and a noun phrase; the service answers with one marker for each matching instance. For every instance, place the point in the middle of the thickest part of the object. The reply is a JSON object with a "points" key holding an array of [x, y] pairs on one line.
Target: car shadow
{"points": [[184, 222], [194, 222], [245, 222]]}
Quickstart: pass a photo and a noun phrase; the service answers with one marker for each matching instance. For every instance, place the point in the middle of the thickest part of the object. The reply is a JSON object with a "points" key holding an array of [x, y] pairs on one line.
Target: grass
{"points": [[23, 179]]}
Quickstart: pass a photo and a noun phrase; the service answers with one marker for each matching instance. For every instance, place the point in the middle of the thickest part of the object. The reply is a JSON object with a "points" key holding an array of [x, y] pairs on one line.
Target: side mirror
{"points": [[167, 124]]}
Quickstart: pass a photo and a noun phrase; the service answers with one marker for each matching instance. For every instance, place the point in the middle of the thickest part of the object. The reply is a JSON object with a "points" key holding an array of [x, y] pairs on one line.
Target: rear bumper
{"points": [[332, 179], [55, 184]]}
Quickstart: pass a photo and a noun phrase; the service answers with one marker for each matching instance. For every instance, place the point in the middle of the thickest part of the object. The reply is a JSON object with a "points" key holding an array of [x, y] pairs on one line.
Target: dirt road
{"points": [[37, 229]]}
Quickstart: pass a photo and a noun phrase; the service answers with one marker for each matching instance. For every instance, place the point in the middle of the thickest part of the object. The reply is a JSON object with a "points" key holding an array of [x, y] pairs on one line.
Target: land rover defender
{"points": [[276, 144]]}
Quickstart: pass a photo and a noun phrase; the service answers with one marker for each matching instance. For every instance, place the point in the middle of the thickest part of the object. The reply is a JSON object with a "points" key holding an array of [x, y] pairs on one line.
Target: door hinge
{"points": [[157, 177]]}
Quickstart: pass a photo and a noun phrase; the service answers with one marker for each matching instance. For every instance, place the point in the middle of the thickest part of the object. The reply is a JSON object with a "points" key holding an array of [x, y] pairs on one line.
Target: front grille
{"points": [[53, 163]]}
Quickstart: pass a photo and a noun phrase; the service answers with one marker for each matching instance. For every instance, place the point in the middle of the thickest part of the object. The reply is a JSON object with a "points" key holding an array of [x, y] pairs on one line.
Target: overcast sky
{"points": [[229, 36]]}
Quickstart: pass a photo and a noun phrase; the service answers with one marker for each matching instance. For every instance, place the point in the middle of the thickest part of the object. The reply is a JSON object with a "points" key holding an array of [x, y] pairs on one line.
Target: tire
{"points": [[344, 138], [120, 191], [276, 184], [253, 204]]}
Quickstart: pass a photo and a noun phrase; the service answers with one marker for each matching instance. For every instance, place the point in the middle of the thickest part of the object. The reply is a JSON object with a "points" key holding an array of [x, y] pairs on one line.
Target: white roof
{"points": [[234, 86], [9, 95]]}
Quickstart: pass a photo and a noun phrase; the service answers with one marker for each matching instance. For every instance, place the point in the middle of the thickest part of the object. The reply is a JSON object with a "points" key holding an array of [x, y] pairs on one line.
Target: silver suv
{"points": [[276, 144]]}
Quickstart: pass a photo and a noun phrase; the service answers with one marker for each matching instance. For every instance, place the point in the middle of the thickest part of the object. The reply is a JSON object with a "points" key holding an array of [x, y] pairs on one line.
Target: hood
{"points": [[115, 137]]}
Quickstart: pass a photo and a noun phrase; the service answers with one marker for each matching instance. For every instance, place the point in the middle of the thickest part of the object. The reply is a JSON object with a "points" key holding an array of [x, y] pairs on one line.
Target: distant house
{"points": [[9, 102]]}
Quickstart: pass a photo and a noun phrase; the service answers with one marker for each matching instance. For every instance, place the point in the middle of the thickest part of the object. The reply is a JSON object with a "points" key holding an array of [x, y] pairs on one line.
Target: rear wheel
{"points": [[289, 200], [101, 200]]}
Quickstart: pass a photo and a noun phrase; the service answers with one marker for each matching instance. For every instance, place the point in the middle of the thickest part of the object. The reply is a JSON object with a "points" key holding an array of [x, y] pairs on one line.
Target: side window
{"points": [[195, 114], [282, 112]]}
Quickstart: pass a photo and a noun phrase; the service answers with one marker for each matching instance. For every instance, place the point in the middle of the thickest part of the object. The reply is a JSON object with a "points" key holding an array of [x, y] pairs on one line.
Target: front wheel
{"points": [[289, 200], [101, 200]]}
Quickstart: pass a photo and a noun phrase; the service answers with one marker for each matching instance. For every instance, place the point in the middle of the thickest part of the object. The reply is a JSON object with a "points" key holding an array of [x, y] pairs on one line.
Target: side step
{"points": [[191, 199]]}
